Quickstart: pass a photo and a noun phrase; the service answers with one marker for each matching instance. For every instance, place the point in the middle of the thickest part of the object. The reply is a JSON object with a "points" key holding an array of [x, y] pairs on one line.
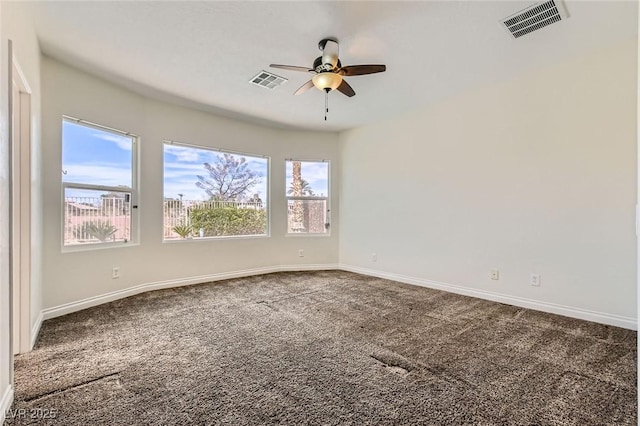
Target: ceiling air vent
{"points": [[535, 17], [268, 80]]}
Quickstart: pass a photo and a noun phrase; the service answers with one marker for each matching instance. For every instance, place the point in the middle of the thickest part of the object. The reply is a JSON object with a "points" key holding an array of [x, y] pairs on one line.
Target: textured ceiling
{"points": [[203, 54]]}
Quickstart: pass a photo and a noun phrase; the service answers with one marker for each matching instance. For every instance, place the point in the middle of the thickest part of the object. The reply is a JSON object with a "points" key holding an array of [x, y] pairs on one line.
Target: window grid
{"points": [[307, 197], [98, 209]]}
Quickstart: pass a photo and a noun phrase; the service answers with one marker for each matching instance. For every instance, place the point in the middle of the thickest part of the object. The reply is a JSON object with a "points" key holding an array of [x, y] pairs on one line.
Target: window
{"points": [[307, 185], [99, 184], [212, 193]]}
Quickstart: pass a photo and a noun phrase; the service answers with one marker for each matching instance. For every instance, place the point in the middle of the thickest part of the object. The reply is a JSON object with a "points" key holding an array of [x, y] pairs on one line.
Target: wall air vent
{"points": [[535, 17], [268, 80]]}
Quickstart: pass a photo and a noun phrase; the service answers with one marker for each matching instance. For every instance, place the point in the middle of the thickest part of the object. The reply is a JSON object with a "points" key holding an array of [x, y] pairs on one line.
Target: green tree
{"points": [[229, 179], [221, 221]]}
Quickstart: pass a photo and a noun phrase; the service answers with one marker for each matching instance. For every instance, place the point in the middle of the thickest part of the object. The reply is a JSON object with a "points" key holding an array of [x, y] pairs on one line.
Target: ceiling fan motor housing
{"points": [[320, 66]]}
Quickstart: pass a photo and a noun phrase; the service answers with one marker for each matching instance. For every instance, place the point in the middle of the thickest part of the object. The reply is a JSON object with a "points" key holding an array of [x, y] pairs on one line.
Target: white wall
{"points": [[16, 25], [73, 276], [534, 175]]}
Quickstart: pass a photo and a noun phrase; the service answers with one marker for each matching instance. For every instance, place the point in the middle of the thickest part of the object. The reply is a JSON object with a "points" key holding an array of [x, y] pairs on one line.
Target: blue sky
{"points": [[95, 156], [315, 173], [100, 157]]}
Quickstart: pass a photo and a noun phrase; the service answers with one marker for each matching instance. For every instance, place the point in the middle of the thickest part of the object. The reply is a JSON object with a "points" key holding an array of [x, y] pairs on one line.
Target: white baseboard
{"points": [[585, 314], [35, 330], [5, 403], [553, 308], [68, 308]]}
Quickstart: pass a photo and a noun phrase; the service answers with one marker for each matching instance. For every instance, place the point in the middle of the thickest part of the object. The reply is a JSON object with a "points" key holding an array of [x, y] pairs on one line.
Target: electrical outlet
{"points": [[115, 272], [374, 257], [534, 280], [300, 253], [495, 274]]}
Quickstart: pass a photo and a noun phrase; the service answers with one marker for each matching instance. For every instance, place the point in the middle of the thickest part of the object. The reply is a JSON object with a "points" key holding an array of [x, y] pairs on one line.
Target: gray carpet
{"points": [[324, 348]]}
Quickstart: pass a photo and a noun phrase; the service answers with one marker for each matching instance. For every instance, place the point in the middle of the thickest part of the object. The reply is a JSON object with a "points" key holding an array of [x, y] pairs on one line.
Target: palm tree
{"points": [[303, 189], [296, 190]]}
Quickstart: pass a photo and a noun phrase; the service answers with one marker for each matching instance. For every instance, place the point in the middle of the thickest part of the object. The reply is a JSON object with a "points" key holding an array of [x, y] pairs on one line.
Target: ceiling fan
{"points": [[329, 71]]}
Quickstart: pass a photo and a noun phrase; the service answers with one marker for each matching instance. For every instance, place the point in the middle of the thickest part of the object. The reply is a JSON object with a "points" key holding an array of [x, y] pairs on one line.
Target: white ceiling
{"points": [[203, 54]]}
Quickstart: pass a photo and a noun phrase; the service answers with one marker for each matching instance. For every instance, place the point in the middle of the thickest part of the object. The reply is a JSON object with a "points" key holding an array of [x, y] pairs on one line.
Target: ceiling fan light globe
{"points": [[327, 80]]}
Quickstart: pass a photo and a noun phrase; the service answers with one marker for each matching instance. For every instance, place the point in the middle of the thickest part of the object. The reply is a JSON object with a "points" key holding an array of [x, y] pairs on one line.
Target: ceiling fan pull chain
{"points": [[326, 104]]}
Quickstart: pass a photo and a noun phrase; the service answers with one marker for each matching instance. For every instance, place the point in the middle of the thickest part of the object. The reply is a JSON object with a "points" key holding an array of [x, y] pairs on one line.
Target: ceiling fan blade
{"points": [[361, 69], [292, 68], [346, 89], [308, 85]]}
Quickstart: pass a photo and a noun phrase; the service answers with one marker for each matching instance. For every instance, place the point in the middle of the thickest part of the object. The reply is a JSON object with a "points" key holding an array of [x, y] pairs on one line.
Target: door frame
{"points": [[20, 210]]}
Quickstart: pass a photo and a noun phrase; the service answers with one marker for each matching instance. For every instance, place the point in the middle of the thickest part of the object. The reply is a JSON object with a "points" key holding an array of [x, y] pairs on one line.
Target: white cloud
{"points": [[173, 170], [123, 142], [188, 191], [184, 154], [97, 174]]}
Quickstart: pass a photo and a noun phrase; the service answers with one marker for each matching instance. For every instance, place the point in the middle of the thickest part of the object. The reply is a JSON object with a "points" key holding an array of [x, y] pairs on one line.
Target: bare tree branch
{"points": [[230, 178]]}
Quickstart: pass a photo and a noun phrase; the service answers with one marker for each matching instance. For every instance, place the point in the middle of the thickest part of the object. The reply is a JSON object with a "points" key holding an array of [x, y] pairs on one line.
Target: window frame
{"points": [[133, 190], [218, 150], [288, 198]]}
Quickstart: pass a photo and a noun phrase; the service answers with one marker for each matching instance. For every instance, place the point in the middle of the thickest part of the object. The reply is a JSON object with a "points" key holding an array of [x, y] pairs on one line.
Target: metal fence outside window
{"points": [[107, 219], [96, 220]]}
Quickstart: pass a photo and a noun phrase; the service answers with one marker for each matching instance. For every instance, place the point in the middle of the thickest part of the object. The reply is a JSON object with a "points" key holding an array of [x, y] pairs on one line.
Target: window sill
{"points": [[300, 235], [97, 246], [227, 238]]}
